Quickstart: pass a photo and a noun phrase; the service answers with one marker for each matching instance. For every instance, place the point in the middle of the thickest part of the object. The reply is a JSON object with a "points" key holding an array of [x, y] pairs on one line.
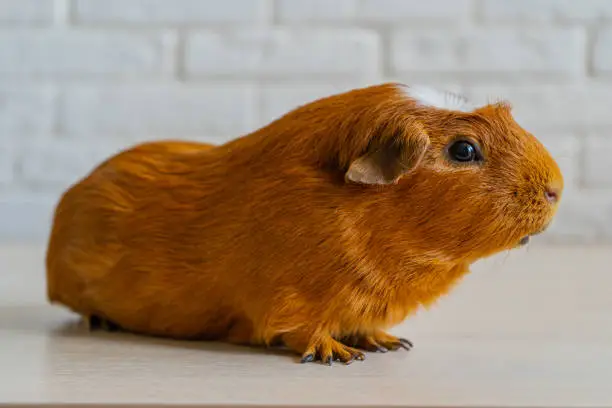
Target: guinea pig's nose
{"points": [[552, 194]]}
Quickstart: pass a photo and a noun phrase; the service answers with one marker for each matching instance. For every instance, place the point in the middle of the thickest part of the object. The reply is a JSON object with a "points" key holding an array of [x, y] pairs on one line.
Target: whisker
{"points": [[506, 257]]}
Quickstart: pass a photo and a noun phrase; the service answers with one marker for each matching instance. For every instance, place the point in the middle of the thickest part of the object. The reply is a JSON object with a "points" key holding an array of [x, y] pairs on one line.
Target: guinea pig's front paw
{"points": [[381, 341], [328, 350], [323, 348]]}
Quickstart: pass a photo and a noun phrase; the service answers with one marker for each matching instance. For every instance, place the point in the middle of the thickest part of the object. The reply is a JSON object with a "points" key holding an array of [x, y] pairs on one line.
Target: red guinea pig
{"points": [[317, 232]]}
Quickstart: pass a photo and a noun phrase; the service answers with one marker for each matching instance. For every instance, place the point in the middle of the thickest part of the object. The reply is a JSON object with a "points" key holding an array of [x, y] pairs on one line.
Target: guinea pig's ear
{"points": [[387, 161]]}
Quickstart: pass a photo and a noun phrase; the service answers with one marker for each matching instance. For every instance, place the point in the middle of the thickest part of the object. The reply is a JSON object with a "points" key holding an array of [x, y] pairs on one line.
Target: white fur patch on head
{"points": [[426, 96]]}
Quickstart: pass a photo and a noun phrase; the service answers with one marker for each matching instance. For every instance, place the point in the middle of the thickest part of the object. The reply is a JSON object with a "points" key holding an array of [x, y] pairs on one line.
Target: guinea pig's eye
{"points": [[464, 151]]}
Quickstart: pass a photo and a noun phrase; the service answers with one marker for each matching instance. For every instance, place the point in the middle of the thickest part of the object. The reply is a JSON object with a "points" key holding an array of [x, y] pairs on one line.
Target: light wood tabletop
{"points": [[529, 328]]}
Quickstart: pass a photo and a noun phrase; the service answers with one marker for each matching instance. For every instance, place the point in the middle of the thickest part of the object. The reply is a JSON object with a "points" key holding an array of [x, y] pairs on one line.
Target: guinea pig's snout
{"points": [[552, 192]]}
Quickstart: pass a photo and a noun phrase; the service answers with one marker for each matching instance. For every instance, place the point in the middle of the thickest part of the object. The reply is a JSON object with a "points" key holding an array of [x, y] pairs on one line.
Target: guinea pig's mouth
{"points": [[525, 240]]}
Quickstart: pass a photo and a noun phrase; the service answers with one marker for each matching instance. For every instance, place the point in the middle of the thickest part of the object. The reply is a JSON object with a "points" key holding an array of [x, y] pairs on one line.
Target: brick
{"points": [[585, 217], [598, 167], [493, 50], [566, 150], [6, 163], [170, 12], [276, 100], [59, 163], [26, 111], [55, 165], [26, 11], [546, 10], [402, 11], [295, 11], [388, 11], [74, 52], [284, 53], [602, 51], [553, 107], [152, 111], [26, 217]]}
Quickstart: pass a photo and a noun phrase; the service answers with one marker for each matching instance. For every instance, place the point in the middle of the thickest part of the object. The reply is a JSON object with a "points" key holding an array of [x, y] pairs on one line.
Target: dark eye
{"points": [[463, 151]]}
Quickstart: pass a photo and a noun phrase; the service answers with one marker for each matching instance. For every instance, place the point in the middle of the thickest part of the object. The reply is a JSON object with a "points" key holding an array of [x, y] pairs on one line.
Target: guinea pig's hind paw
{"points": [[383, 342], [399, 343]]}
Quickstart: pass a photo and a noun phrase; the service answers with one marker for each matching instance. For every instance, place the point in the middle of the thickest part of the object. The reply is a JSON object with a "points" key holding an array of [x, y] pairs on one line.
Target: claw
{"points": [[405, 343], [307, 358], [395, 346], [326, 349]]}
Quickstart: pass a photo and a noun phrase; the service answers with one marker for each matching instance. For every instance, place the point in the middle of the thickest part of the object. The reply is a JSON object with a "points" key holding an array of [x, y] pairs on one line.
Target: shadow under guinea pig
{"points": [[77, 329]]}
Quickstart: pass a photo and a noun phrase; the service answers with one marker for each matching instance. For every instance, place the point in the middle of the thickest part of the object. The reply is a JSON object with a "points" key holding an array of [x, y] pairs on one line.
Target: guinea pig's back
{"points": [[116, 238]]}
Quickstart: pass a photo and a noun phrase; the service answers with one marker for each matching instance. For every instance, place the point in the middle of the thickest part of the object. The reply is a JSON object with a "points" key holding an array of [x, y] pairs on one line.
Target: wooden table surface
{"points": [[530, 328]]}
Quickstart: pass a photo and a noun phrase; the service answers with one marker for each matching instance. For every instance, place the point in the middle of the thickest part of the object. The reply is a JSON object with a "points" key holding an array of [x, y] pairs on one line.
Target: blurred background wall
{"points": [[82, 79]]}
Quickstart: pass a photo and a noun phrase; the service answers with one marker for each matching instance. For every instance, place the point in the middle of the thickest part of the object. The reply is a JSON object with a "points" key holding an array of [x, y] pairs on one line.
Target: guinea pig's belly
{"points": [[213, 326], [160, 302], [168, 321]]}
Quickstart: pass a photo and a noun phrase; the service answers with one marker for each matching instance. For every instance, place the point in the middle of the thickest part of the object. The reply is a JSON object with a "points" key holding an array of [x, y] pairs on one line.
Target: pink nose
{"points": [[552, 195]]}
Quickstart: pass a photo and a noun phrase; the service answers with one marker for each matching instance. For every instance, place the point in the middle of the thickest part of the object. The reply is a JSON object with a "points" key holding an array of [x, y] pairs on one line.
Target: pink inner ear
{"points": [[372, 168], [392, 161]]}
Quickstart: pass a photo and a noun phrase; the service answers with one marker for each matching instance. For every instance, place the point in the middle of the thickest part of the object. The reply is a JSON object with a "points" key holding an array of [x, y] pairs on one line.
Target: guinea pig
{"points": [[317, 232]]}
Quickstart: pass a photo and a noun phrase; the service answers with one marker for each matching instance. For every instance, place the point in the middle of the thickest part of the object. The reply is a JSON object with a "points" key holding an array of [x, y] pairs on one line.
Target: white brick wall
{"points": [[7, 161], [272, 53], [489, 50], [26, 11], [65, 53], [174, 12], [50, 165], [140, 111], [546, 10], [377, 11], [26, 110], [81, 79], [598, 167], [579, 104]]}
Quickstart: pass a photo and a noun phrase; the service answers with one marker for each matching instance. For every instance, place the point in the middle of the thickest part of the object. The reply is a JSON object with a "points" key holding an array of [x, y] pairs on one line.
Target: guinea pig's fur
{"points": [[318, 231]]}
